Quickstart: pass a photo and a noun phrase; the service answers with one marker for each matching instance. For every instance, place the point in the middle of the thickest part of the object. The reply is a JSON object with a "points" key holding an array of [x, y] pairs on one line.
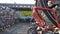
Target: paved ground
{"points": [[20, 28]]}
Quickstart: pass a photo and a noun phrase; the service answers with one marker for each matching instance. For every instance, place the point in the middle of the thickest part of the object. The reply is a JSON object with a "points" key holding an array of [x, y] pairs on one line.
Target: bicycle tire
{"points": [[31, 31]]}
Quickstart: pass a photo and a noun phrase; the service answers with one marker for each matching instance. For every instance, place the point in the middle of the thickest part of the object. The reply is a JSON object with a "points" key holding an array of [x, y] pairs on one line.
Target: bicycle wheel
{"points": [[31, 31]]}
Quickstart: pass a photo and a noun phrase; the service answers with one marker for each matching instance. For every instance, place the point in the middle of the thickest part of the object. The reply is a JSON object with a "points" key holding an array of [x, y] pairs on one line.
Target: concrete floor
{"points": [[20, 28]]}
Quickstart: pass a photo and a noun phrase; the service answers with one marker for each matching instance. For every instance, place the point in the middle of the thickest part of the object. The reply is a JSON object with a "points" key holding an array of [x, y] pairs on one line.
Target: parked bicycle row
{"points": [[6, 18]]}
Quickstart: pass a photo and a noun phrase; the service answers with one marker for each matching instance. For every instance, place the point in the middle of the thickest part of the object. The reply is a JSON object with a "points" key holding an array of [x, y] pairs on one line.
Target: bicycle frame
{"points": [[40, 20]]}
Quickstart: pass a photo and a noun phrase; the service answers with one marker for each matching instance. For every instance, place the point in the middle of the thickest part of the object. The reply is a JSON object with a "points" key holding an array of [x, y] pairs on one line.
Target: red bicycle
{"points": [[50, 8]]}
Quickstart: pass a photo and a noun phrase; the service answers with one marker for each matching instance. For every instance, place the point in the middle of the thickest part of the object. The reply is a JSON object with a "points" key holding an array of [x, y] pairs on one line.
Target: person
{"points": [[32, 21]]}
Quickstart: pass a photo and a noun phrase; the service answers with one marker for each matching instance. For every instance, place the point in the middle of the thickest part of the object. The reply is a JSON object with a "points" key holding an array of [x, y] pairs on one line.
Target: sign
{"points": [[26, 13]]}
